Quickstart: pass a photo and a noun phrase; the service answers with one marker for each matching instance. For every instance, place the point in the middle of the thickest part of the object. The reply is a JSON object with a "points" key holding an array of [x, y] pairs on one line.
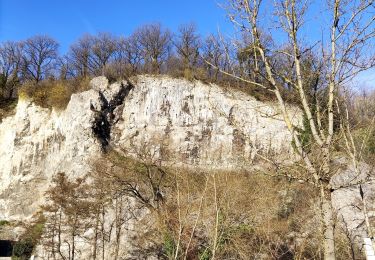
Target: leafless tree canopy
{"points": [[10, 62], [39, 56], [80, 56], [187, 45], [156, 45], [317, 73]]}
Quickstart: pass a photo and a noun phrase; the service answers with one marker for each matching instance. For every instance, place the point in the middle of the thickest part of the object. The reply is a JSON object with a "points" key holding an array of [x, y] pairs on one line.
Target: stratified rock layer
{"points": [[199, 124], [173, 120]]}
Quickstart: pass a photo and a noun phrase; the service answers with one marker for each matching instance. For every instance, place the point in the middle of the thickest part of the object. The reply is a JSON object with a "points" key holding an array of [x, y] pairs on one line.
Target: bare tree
{"points": [[64, 67], [80, 56], [129, 54], [103, 49], [214, 54], [156, 45], [187, 45], [69, 211], [39, 54], [10, 61], [349, 52]]}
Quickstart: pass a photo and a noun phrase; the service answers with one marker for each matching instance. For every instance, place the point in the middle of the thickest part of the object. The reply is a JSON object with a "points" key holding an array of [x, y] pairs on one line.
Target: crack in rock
{"points": [[104, 118]]}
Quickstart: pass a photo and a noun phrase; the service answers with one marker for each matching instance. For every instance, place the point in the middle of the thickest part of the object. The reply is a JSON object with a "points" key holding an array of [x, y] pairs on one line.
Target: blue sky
{"points": [[67, 20]]}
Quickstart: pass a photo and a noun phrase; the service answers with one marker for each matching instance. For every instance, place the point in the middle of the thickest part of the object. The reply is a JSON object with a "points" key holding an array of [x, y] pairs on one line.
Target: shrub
{"points": [[48, 93], [4, 223], [23, 249]]}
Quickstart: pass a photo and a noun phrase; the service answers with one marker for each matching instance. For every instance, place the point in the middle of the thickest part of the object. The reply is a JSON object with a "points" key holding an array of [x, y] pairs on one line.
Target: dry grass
{"points": [[233, 215], [229, 215], [196, 214], [224, 214], [53, 93]]}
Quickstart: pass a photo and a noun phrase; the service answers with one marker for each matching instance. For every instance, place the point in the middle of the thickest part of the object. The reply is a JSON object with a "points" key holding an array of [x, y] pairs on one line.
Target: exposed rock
{"points": [[172, 120], [354, 187], [198, 124], [188, 122]]}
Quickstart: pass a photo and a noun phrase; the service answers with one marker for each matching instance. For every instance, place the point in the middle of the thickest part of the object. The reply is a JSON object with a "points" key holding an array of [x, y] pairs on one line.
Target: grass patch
{"points": [[53, 93], [47, 94]]}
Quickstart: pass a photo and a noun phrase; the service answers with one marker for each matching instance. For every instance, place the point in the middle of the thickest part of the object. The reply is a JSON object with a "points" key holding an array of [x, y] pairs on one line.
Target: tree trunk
{"points": [[96, 236], [328, 225], [103, 232], [118, 221]]}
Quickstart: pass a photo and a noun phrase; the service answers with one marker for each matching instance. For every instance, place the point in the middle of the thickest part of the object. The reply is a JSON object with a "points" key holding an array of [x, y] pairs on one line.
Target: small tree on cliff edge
{"points": [[349, 51]]}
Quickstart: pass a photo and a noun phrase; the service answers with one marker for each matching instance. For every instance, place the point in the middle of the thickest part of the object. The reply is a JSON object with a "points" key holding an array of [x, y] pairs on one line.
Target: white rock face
{"points": [[172, 120], [198, 124], [37, 143], [354, 190], [175, 121]]}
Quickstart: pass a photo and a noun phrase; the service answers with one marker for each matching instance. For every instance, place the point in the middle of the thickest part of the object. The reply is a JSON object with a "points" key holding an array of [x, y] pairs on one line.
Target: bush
{"points": [[48, 93], [4, 223], [23, 249]]}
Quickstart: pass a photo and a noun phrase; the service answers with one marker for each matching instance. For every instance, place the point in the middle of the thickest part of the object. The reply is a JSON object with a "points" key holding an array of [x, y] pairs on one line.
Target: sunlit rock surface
{"points": [[173, 120], [198, 124]]}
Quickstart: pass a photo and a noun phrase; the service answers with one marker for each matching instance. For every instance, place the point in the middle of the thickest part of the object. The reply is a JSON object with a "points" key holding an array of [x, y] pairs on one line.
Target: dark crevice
{"points": [[6, 248], [104, 118]]}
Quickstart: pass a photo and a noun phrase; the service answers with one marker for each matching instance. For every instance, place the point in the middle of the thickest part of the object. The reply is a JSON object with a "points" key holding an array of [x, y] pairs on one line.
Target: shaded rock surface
{"points": [[354, 189]]}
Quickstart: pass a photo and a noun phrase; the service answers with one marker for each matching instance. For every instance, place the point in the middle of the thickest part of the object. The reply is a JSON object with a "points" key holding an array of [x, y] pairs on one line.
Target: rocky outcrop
{"points": [[197, 124], [173, 120], [353, 196]]}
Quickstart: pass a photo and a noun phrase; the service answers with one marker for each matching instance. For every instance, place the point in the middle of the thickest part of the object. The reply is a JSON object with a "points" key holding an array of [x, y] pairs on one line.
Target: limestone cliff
{"points": [[173, 120]]}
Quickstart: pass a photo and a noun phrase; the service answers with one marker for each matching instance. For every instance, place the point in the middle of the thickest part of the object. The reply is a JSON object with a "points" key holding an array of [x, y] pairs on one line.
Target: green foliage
{"points": [[2, 82], [206, 254], [23, 249], [7, 107], [169, 246], [4, 223], [305, 133], [370, 144]]}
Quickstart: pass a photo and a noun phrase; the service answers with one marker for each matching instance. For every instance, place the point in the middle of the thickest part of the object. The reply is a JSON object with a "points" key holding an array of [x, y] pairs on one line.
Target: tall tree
{"points": [[39, 56], [156, 44], [187, 45], [350, 51], [10, 61], [80, 56], [129, 54], [103, 49], [214, 55]]}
